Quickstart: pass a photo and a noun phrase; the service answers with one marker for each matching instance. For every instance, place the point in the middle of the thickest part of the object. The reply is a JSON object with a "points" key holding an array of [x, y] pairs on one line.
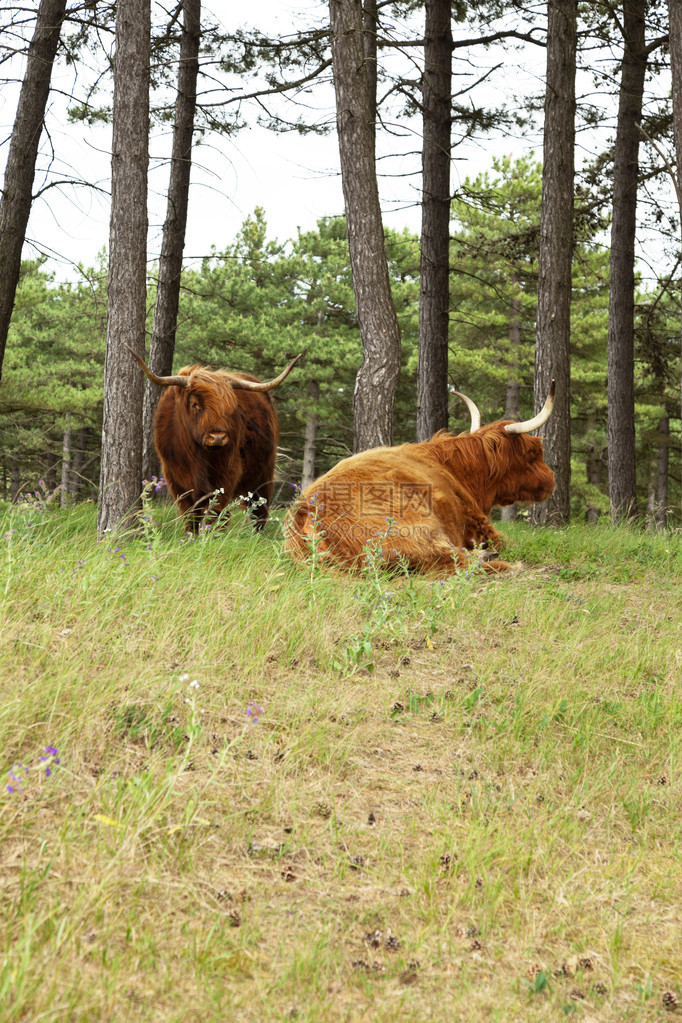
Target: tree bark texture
{"points": [[162, 347], [553, 330], [15, 205], [377, 378], [310, 438], [370, 24], [621, 343], [675, 44], [434, 297], [121, 472]]}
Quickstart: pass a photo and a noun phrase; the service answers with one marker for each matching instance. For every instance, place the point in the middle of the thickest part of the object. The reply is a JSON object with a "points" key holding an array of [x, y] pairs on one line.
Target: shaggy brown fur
{"points": [[210, 436], [426, 504]]}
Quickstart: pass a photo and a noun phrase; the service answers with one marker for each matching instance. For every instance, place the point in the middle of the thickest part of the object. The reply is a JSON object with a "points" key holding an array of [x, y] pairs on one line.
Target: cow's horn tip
{"points": [[552, 388]]}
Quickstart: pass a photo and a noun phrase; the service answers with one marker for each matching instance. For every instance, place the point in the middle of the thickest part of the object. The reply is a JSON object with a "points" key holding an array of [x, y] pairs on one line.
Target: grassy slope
{"points": [[485, 826]]}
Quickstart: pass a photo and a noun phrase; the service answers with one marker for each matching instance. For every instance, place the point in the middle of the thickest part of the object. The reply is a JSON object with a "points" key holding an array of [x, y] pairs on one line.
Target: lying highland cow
{"points": [[426, 504], [217, 431]]}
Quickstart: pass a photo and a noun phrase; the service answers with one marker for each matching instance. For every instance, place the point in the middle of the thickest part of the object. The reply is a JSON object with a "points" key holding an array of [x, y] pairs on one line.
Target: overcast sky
{"points": [[293, 177]]}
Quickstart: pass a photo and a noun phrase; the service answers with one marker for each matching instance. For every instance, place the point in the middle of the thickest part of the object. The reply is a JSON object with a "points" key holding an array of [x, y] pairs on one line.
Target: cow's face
{"points": [[209, 406], [524, 475]]}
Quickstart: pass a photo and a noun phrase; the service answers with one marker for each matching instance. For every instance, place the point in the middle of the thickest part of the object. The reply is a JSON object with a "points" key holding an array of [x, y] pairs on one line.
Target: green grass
{"points": [[460, 801]]}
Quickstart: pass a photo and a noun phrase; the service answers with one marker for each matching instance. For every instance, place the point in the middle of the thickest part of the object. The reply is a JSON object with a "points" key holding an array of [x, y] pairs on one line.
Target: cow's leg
{"points": [[184, 500], [484, 535], [257, 505], [432, 551], [212, 511], [259, 514], [478, 531], [203, 512]]}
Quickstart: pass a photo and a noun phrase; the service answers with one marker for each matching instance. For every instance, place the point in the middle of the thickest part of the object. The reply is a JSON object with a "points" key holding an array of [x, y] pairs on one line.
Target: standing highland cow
{"points": [[217, 431], [427, 504]]}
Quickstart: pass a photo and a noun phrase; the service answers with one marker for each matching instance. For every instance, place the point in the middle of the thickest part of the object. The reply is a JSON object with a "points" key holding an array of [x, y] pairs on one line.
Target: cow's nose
{"points": [[215, 439]]}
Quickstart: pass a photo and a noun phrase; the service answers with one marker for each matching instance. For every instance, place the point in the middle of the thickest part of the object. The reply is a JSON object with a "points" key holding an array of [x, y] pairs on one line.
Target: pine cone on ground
{"points": [[670, 1000]]}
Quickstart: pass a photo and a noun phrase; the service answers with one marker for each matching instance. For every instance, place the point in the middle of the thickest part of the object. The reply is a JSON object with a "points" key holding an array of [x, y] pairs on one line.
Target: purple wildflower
{"points": [[253, 711]]}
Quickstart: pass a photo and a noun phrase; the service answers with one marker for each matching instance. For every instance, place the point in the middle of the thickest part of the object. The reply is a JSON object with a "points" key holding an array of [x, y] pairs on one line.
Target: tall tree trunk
{"points": [[121, 473], [162, 347], [377, 378], [621, 357], [15, 205], [66, 465], [310, 438], [434, 297], [370, 24], [552, 354], [512, 401], [675, 44]]}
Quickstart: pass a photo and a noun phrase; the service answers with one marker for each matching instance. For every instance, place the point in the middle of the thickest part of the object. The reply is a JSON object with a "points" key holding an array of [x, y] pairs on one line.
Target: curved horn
{"points": [[539, 420], [268, 385], [473, 411], [161, 381]]}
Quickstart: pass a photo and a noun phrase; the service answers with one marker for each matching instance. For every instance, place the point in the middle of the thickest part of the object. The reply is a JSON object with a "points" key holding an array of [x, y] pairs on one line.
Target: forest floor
{"points": [[238, 789]]}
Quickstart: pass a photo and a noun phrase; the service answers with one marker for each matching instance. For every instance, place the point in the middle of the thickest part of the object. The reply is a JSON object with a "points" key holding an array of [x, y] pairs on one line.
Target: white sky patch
{"points": [[294, 177]]}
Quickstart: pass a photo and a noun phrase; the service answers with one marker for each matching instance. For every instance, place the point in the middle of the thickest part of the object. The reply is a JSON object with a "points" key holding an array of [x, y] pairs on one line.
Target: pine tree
{"points": [[552, 351], [377, 378], [121, 472], [15, 205]]}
